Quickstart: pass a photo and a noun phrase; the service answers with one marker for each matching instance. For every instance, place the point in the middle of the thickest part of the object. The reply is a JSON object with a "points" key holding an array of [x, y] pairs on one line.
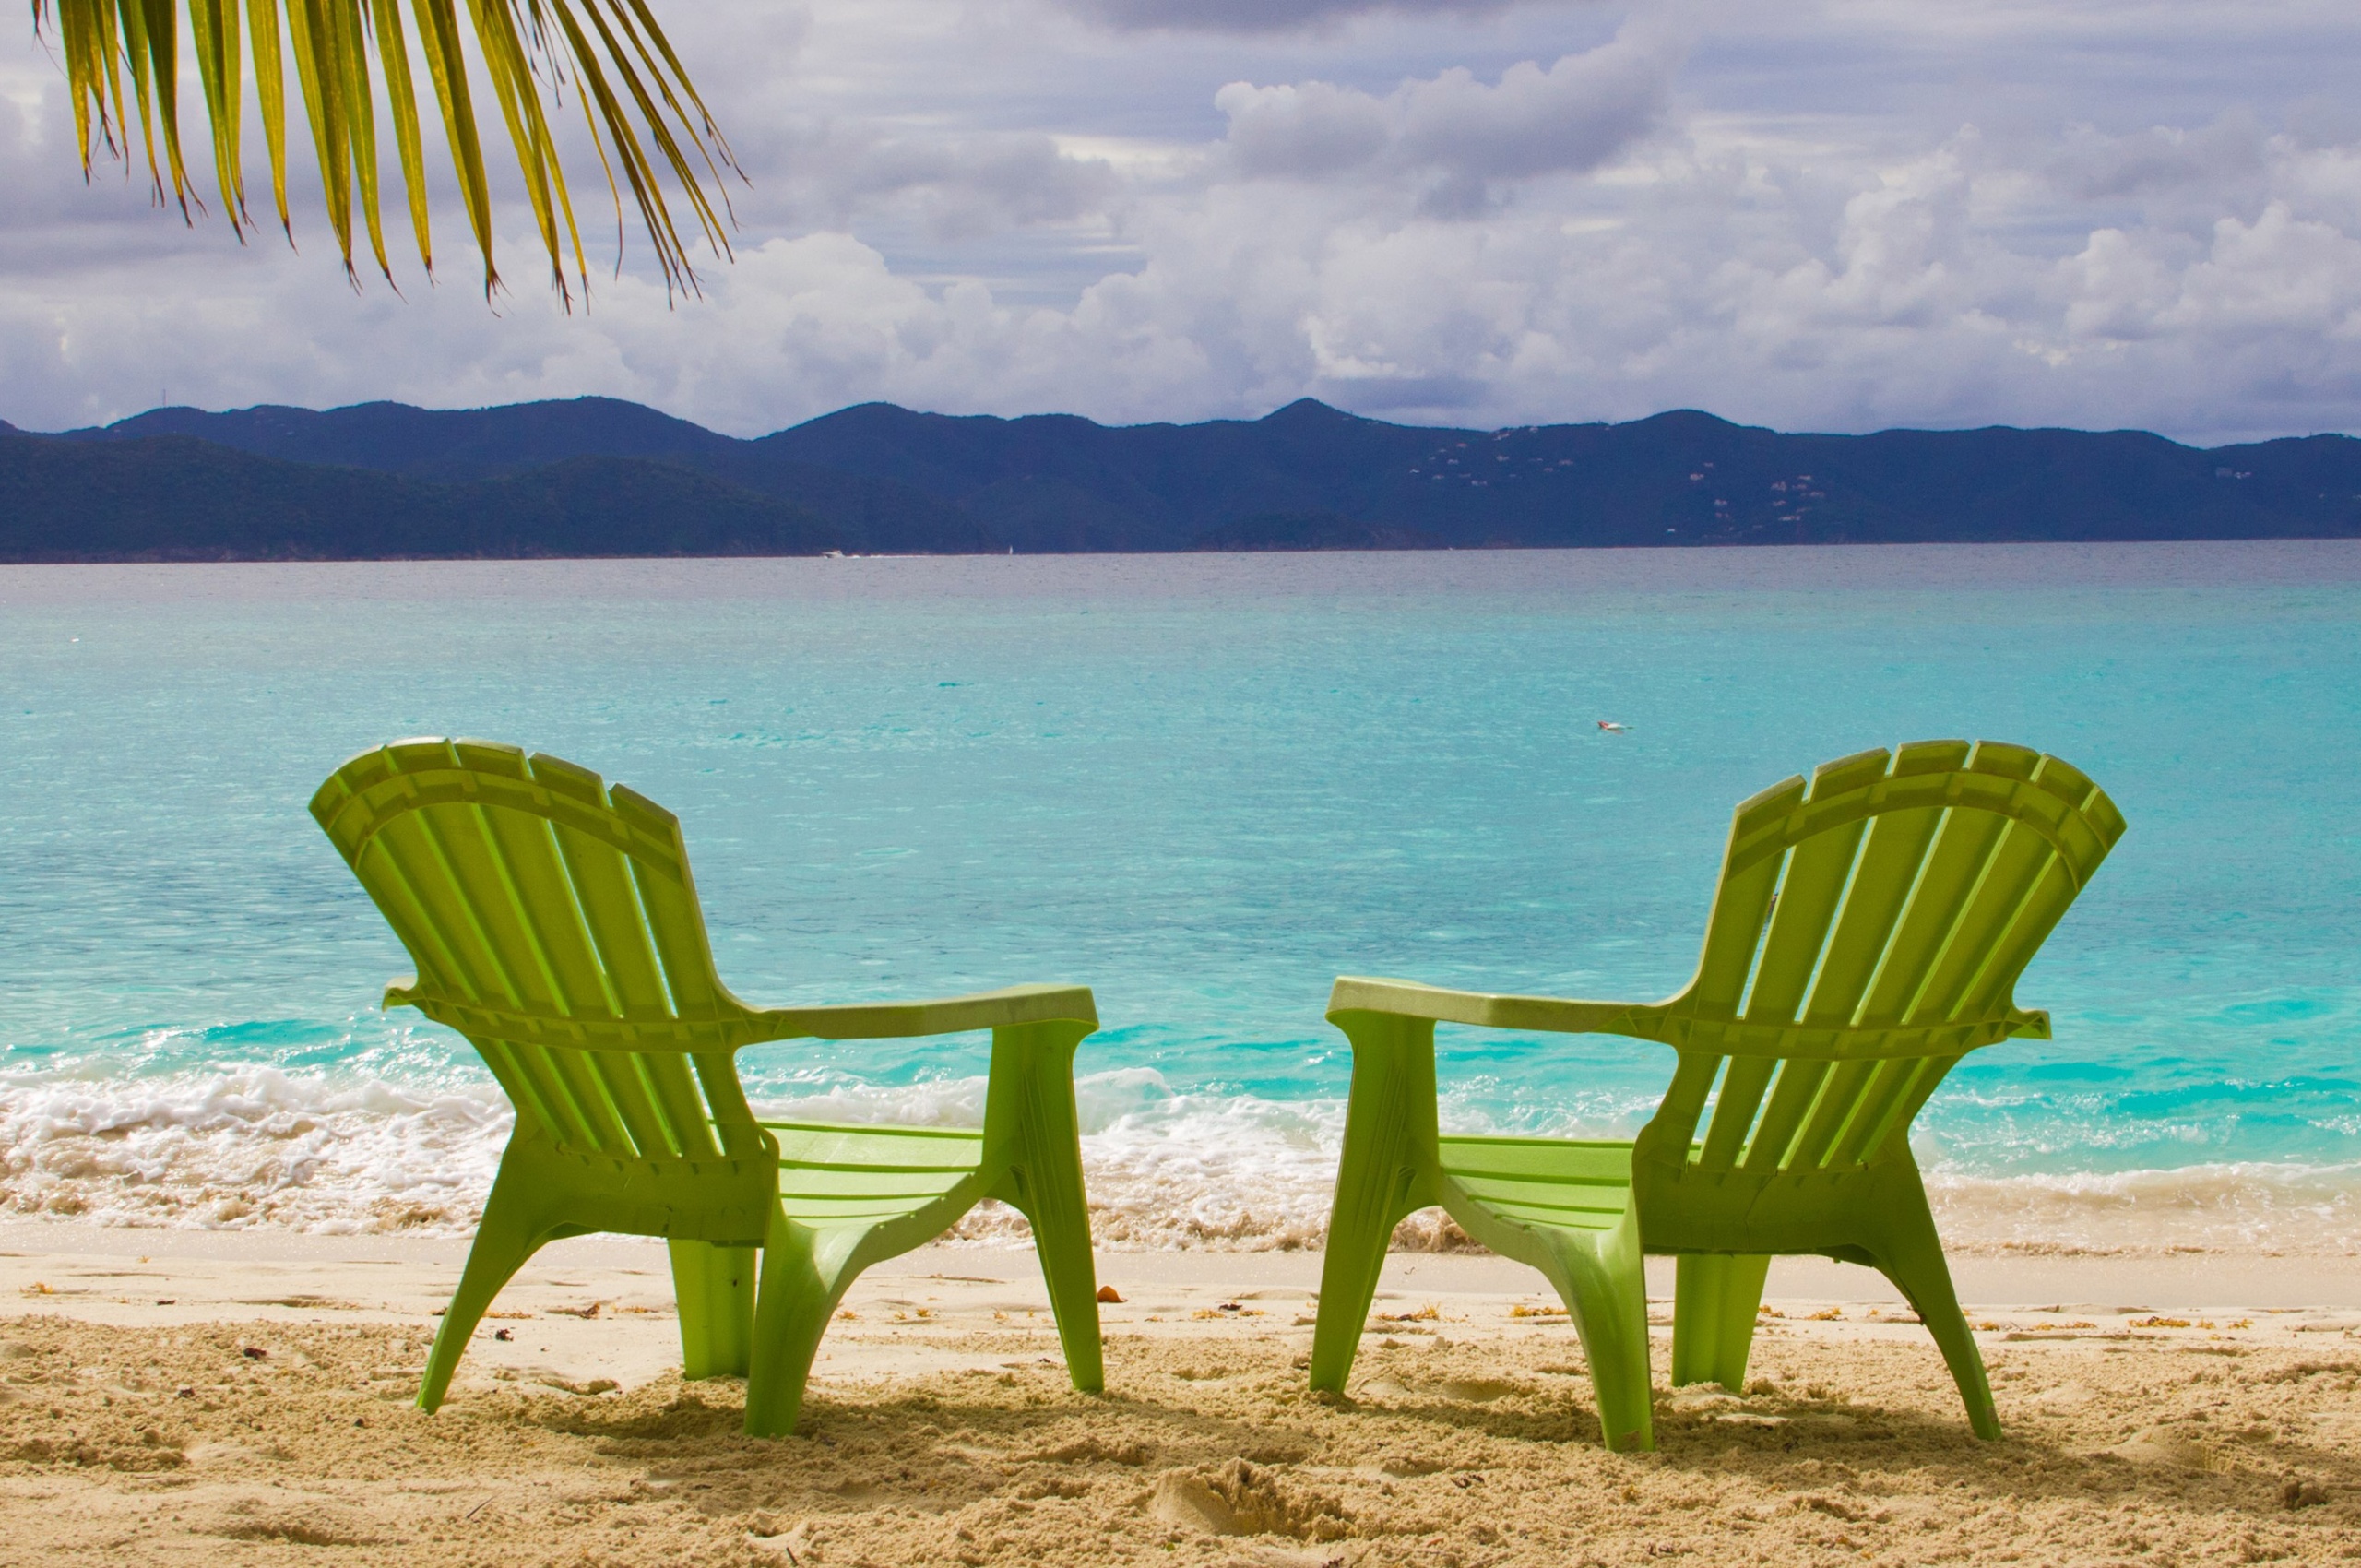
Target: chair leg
{"points": [[803, 1279], [1714, 1308], [1910, 1255], [1383, 1174], [1033, 1075], [1603, 1280], [1068, 1270], [714, 1289], [509, 1234]]}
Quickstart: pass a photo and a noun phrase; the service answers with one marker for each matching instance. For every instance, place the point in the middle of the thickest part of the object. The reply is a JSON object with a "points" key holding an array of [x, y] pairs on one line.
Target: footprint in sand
{"points": [[2160, 1447], [1244, 1498], [1469, 1391]]}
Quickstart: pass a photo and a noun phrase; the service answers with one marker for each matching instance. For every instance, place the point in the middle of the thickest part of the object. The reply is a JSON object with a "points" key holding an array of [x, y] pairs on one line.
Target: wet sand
{"points": [[173, 1397]]}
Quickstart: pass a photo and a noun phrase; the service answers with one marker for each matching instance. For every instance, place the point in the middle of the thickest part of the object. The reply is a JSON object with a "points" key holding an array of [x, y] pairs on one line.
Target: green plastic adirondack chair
{"points": [[1867, 933], [553, 923]]}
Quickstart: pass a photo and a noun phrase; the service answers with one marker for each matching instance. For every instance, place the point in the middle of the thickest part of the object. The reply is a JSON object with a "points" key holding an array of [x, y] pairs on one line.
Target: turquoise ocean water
{"points": [[1203, 785]]}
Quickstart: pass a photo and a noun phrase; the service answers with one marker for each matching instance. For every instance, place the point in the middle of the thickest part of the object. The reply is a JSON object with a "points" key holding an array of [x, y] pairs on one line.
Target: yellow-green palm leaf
{"points": [[353, 58]]}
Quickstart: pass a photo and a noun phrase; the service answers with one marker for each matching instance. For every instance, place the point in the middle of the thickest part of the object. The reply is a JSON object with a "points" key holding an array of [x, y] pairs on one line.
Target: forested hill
{"points": [[598, 477]]}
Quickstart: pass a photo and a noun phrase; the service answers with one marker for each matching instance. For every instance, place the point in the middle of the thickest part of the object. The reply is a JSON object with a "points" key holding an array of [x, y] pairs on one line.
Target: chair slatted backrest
{"points": [[554, 924], [1868, 931]]}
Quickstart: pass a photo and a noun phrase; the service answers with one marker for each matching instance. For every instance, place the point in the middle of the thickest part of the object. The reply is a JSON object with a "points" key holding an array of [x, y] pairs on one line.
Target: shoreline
{"points": [[2278, 1282]]}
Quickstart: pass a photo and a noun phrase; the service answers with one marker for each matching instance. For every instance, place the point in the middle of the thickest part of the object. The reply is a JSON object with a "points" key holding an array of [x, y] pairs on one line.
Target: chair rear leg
{"points": [[1389, 1144], [509, 1234], [1603, 1280], [1034, 1064], [803, 1279], [714, 1289], [1715, 1306], [1910, 1255]]}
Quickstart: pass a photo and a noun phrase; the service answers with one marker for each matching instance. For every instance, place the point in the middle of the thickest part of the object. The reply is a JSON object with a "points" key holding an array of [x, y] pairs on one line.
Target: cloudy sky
{"points": [[1825, 215]]}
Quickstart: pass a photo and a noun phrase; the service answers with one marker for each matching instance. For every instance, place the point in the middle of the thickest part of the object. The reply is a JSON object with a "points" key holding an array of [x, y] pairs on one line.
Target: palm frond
{"points": [[645, 118]]}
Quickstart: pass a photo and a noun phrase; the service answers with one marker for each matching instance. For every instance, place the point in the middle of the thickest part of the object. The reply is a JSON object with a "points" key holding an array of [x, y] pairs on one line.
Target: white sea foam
{"points": [[263, 1146], [256, 1146], [2255, 1207]]}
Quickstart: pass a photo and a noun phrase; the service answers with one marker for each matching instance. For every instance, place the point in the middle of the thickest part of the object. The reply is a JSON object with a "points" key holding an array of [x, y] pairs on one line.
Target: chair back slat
{"points": [[1809, 895], [602, 889], [1684, 1099], [1890, 1100], [539, 890], [411, 881], [630, 1087], [537, 904], [1963, 846], [1736, 1100], [1980, 943], [1734, 930], [733, 1119], [1872, 1116], [1895, 847], [526, 1078], [1840, 1096], [667, 898], [507, 950], [2051, 895], [686, 1129], [1792, 1099], [590, 1106], [1875, 921]]}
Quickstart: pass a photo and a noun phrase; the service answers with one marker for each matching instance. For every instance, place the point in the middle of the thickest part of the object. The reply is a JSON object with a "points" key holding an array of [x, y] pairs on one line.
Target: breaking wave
{"points": [[267, 1147]]}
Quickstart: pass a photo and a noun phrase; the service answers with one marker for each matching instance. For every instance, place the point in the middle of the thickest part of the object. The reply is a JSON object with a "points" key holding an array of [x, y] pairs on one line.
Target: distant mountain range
{"points": [[599, 477]]}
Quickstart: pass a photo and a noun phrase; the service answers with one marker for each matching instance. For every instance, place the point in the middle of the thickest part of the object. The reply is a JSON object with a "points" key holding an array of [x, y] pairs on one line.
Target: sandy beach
{"points": [[177, 1396]]}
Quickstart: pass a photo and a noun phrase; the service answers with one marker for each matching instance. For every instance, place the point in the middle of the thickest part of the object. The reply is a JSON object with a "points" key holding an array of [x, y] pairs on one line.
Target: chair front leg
{"points": [[1033, 1146], [1602, 1278], [805, 1273], [1910, 1253], [1387, 1170], [517, 1221]]}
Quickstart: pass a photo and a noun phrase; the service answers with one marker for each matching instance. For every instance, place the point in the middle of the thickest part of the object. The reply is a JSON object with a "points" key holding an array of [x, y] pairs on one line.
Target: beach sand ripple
{"points": [[1467, 1440]]}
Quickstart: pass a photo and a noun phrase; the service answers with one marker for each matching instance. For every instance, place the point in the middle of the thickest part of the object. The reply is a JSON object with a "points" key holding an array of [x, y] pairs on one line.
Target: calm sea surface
{"points": [[1203, 785]]}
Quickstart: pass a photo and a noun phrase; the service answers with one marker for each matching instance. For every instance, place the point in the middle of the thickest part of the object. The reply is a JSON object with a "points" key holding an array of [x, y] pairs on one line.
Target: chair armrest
{"points": [[1551, 1015], [951, 1014]]}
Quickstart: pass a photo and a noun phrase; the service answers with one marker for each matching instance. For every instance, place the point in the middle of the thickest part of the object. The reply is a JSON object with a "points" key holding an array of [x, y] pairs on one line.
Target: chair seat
{"points": [[834, 1174], [1571, 1184]]}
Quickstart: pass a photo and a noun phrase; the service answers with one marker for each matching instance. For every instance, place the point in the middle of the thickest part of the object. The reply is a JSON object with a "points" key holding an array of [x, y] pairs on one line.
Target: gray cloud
{"points": [[2093, 166], [1263, 16], [1572, 117], [959, 186]]}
